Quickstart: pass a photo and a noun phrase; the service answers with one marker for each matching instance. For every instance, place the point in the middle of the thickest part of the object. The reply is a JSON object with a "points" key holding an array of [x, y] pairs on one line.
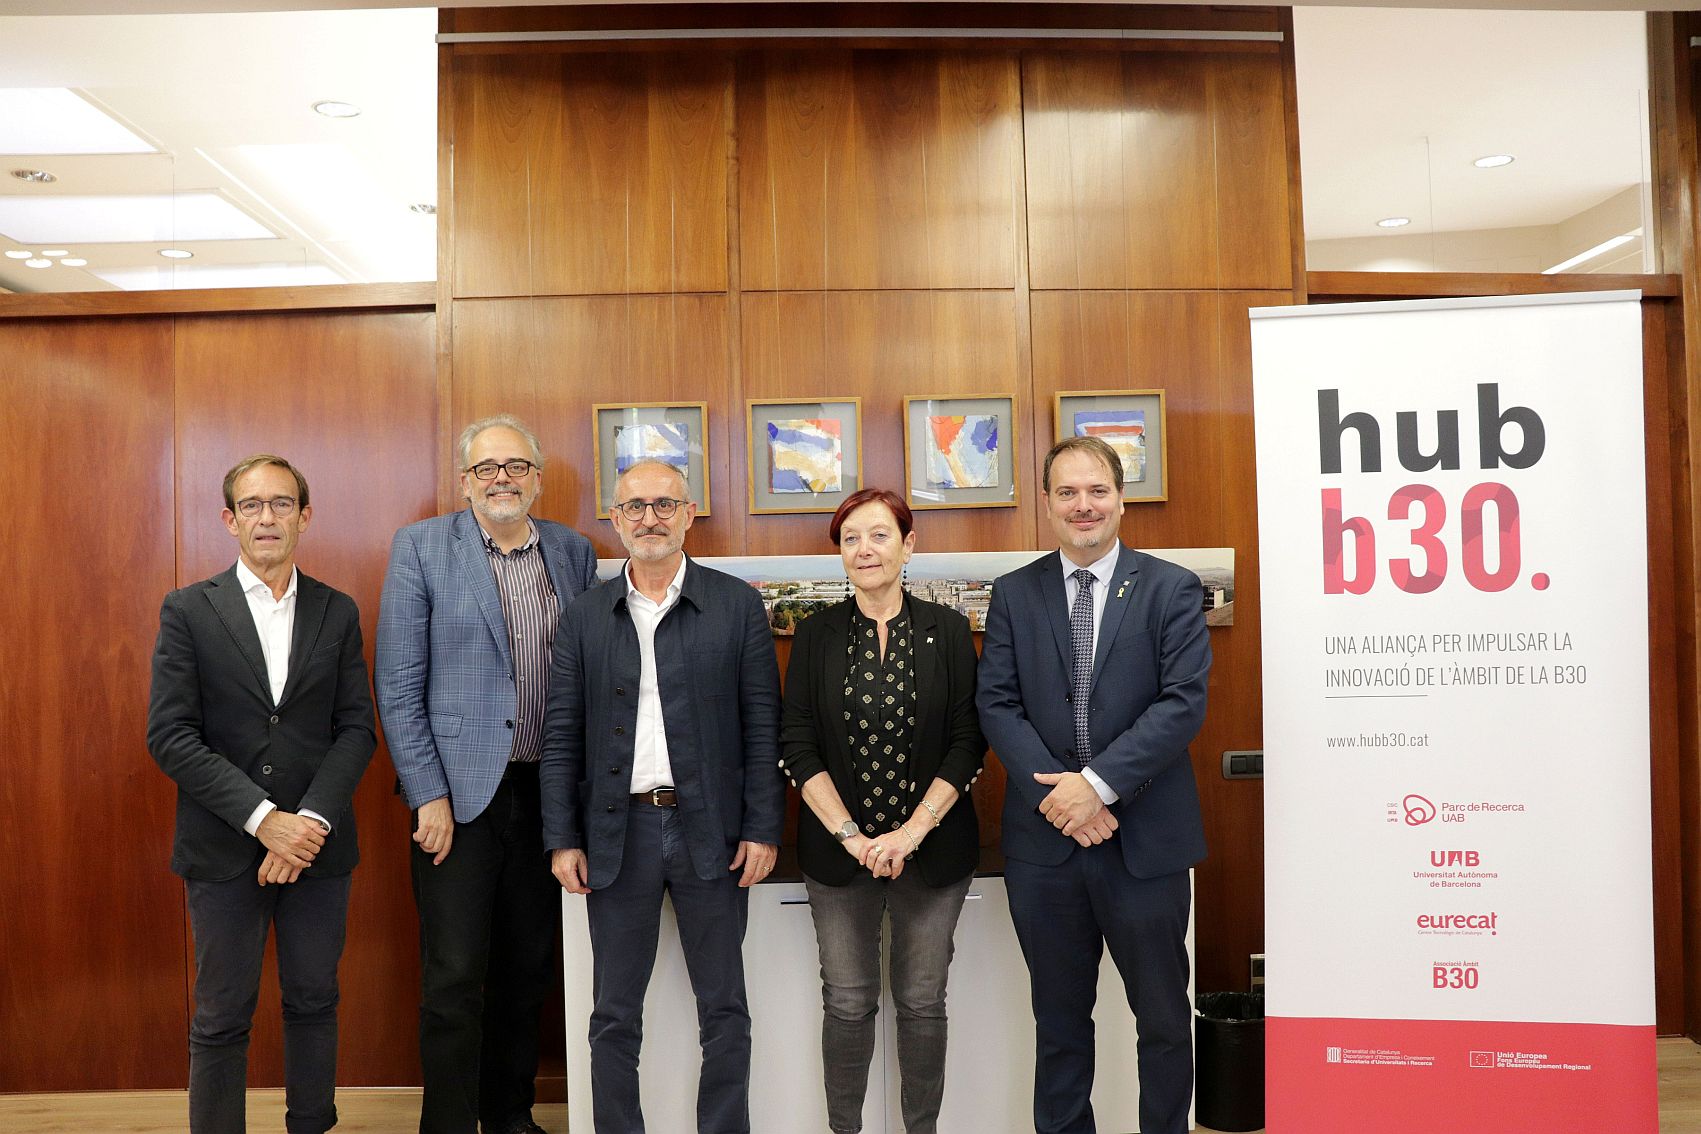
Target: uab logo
{"points": [[1454, 858]]}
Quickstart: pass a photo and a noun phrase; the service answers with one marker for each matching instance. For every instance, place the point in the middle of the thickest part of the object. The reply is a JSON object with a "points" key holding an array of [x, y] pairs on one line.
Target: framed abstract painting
{"points": [[1129, 421], [675, 433], [960, 452], [804, 456]]}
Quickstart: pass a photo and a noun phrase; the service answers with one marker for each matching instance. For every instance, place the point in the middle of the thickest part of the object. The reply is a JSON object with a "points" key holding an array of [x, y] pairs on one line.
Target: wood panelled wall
{"points": [[713, 223], [123, 428], [734, 221]]}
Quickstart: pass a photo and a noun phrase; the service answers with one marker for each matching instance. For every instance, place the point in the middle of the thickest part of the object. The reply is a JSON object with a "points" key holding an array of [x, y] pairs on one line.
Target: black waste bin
{"points": [[1228, 1055]]}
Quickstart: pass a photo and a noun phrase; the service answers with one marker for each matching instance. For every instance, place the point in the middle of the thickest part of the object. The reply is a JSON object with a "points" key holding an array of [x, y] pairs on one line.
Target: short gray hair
{"points": [[463, 447]]}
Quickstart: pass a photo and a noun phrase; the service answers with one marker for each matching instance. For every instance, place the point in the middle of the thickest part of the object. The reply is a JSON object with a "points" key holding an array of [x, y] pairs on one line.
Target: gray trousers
{"points": [[230, 921], [847, 932]]}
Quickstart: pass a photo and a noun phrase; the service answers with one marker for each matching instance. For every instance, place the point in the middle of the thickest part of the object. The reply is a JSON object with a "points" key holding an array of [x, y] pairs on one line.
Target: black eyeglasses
{"points": [[664, 508], [486, 470], [282, 507]]}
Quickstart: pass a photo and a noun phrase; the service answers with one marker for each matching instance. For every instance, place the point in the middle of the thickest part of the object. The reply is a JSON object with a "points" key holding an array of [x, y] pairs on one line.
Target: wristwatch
{"points": [[847, 830]]}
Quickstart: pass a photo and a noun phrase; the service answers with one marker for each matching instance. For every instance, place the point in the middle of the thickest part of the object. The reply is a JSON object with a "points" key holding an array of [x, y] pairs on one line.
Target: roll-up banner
{"points": [[1452, 534]]}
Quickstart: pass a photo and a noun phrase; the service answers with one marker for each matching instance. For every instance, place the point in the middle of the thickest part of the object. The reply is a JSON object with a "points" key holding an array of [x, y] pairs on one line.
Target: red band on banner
{"points": [[1423, 1076]]}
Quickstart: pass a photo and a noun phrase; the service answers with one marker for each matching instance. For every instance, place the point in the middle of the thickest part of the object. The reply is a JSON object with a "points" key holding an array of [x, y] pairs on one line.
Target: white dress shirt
{"points": [[650, 765], [1104, 569], [274, 621]]}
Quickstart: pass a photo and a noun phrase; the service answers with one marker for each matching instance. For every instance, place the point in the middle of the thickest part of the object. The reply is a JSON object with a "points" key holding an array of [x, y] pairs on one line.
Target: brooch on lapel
{"points": [[1123, 589], [930, 641]]}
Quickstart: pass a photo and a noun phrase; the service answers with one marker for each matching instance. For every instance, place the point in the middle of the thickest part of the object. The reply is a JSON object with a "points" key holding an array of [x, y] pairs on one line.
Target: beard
{"points": [[651, 550], [502, 510]]}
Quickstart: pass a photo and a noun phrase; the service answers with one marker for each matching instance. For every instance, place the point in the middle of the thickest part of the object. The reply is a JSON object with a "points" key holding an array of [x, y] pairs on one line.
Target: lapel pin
{"points": [[1122, 590], [930, 641]]}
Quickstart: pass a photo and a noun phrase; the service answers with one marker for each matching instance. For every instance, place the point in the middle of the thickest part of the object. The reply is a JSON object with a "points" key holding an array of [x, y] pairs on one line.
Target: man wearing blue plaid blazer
{"points": [[465, 627]]}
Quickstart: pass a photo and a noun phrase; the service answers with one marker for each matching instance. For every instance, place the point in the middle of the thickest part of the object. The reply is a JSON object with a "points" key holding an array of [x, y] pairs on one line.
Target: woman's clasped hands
{"points": [[884, 855]]}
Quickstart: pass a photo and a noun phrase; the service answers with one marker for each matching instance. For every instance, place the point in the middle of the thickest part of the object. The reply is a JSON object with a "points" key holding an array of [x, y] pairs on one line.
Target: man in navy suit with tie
{"points": [[469, 611], [259, 710], [1092, 683]]}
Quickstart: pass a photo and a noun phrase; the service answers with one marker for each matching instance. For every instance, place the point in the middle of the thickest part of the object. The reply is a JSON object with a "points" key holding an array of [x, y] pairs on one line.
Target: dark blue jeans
{"points": [[847, 933], [230, 921], [625, 924]]}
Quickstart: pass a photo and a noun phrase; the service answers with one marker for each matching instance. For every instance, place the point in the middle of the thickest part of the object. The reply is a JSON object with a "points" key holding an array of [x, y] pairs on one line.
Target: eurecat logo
{"points": [[1488, 921]]}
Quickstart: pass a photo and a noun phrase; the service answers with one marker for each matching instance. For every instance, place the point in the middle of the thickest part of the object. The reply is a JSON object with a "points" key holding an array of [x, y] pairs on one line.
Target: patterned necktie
{"points": [[1081, 678]]}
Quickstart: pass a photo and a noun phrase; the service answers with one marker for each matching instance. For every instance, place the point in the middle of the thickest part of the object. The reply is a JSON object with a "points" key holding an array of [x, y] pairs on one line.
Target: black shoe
{"points": [[523, 1126]]}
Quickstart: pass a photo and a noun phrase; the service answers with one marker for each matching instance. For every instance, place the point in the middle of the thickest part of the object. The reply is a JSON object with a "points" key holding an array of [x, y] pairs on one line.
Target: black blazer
{"points": [[720, 699], [947, 743], [213, 728]]}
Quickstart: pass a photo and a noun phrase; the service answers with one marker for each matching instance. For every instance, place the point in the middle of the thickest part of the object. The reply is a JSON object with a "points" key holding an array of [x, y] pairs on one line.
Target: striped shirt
{"points": [[531, 609]]}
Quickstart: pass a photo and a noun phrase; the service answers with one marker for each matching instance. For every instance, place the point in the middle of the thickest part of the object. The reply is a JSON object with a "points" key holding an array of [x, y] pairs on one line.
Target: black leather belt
{"points": [[657, 797]]}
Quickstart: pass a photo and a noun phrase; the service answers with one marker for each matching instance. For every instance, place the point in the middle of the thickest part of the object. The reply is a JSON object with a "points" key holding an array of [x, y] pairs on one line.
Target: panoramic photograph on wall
{"points": [[795, 586]]}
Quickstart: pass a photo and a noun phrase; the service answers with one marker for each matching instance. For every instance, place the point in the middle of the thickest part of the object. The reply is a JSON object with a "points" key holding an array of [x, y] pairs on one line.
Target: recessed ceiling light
{"points": [[56, 252], [55, 120], [1493, 161], [214, 275], [155, 218], [39, 176], [19, 254], [74, 262], [1393, 222], [424, 209], [1590, 253], [177, 253], [38, 263], [331, 108]]}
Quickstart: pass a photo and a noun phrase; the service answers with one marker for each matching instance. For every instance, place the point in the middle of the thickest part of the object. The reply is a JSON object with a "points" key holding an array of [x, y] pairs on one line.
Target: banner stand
{"points": [[1459, 910]]}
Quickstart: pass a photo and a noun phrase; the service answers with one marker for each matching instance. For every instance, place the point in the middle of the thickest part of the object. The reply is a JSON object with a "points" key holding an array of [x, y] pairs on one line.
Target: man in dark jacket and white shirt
{"points": [[261, 712], [661, 774]]}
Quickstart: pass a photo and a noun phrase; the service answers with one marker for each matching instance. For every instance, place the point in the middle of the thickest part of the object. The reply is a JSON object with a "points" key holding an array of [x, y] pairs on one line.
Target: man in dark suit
{"points": [[261, 712], [471, 602], [1092, 683], [661, 773]]}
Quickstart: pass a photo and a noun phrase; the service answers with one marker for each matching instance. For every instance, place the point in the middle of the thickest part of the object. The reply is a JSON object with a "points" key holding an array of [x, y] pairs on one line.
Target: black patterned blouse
{"points": [[880, 711]]}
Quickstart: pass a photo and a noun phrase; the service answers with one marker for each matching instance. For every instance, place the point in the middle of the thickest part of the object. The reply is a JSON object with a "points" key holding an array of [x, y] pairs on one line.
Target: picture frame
{"points": [[804, 456], [960, 451], [677, 432], [1133, 422]]}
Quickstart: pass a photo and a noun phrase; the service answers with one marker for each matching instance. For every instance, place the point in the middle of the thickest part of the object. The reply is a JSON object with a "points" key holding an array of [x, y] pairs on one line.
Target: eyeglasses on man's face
{"points": [[486, 470], [634, 509], [282, 507]]}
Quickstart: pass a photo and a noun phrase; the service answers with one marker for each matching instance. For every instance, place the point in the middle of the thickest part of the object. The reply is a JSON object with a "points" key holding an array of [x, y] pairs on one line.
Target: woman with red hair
{"points": [[880, 735]]}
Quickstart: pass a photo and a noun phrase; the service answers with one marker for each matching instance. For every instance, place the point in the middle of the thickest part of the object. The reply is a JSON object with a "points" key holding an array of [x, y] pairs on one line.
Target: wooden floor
{"points": [[396, 1111]]}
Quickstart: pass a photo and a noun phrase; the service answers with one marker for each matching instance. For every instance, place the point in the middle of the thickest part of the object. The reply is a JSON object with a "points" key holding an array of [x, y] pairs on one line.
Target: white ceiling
{"points": [[228, 100], [1395, 105]]}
